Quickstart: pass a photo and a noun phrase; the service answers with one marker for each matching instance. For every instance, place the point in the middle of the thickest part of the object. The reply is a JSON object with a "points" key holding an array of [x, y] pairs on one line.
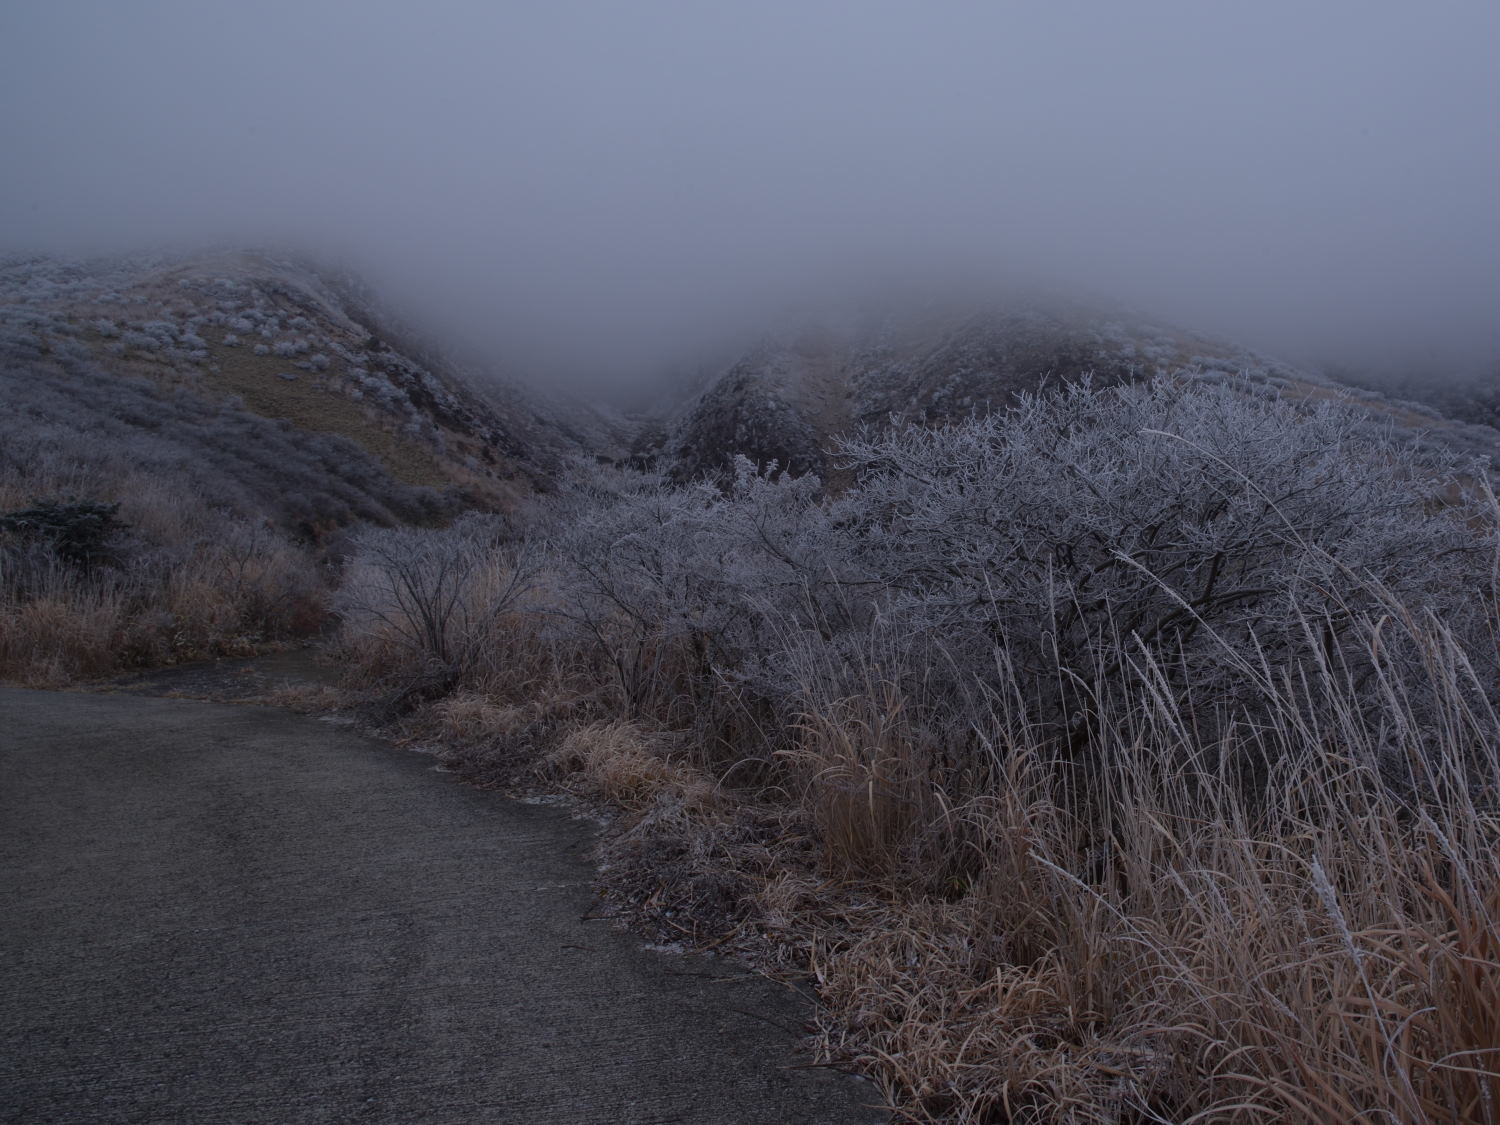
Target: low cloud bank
{"points": [[603, 191]]}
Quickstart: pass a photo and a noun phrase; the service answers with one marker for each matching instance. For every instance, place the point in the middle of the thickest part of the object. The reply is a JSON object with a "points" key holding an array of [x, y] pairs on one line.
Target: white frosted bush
{"points": [[1220, 542], [1215, 540]]}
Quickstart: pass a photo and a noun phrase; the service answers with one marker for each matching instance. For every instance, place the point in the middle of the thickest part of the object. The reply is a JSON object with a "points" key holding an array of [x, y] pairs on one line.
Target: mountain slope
{"points": [[206, 427], [789, 400], [272, 340]]}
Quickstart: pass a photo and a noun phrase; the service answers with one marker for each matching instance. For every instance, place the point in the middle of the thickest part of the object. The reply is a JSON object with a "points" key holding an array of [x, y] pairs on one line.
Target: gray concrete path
{"points": [[216, 913]]}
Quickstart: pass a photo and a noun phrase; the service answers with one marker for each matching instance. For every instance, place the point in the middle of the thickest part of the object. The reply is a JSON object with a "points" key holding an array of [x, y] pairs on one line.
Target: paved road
{"points": [[220, 913]]}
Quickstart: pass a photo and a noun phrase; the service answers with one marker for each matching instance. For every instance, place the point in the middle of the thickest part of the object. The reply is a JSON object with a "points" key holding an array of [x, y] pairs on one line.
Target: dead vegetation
{"points": [[179, 583], [1153, 782]]}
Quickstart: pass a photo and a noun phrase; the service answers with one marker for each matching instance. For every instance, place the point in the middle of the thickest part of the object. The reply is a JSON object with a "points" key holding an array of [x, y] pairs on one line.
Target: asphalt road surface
{"points": [[219, 913]]}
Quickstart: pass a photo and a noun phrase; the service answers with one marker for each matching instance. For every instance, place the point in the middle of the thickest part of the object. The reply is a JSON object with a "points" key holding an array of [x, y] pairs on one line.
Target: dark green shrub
{"points": [[81, 533]]}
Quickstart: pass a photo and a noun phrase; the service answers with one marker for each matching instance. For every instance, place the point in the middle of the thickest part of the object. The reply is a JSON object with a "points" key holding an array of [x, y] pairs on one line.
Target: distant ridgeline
{"points": [[790, 399], [272, 388]]}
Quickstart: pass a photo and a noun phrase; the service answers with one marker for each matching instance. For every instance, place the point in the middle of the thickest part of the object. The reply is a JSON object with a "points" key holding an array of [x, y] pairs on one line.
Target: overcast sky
{"points": [[597, 185]]}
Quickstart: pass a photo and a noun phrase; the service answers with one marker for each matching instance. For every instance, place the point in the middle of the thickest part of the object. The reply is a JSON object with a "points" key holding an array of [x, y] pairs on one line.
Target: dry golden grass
{"points": [[306, 698], [57, 640], [1166, 944], [629, 768], [861, 778], [473, 716], [211, 586], [1340, 963]]}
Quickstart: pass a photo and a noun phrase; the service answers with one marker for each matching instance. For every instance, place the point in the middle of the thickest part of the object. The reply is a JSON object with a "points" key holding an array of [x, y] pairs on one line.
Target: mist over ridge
{"points": [[595, 193]]}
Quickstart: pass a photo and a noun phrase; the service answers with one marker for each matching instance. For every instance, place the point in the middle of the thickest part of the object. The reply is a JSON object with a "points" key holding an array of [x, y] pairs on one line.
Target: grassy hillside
{"points": [[233, 403]]}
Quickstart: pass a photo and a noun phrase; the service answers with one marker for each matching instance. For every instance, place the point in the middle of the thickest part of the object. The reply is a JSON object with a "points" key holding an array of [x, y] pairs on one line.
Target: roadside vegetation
{"points": [[142, 524], [1127, 756]]}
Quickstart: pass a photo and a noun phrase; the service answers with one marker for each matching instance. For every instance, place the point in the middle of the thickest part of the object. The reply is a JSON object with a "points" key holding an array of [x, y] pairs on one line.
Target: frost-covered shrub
{"points": [[261, 349], [106, 328], [284, 348], [1207, 540], [1086, 522], [70, 347], [141, 341], [231, 340], [680, 589], [438, 596], [19, 344], [379, 387], [318, 362]]}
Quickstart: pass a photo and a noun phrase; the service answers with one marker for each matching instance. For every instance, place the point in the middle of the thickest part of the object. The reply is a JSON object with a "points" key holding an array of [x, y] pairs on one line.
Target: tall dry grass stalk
{"points": [[1290, 914], [1192, 935], [67, 635], [185, 582], [1255, 878]]}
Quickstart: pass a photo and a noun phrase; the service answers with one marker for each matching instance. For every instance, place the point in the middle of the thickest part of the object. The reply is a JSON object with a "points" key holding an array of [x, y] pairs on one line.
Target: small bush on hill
{"points": [[81, 533]]}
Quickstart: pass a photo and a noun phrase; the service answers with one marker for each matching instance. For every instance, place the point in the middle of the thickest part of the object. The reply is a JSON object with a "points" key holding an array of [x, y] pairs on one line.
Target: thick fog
{"points": [[598, 189]]}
